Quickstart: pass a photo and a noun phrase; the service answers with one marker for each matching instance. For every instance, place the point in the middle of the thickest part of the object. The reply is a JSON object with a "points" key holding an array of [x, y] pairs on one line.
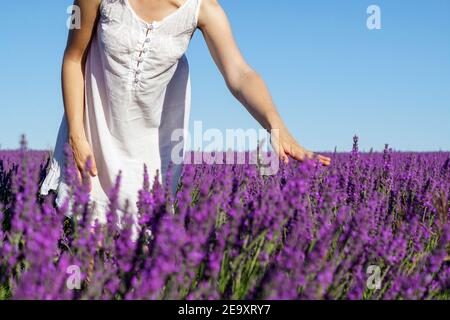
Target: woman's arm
{"points": [[244, 83], [73, 82]]}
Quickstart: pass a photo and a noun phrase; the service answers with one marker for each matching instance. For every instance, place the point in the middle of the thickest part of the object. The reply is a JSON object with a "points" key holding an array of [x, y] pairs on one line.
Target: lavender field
{"points": [[370, 226]]}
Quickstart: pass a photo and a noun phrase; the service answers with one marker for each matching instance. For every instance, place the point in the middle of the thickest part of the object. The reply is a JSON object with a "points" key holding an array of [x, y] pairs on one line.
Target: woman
{"points": [[126, 88]]}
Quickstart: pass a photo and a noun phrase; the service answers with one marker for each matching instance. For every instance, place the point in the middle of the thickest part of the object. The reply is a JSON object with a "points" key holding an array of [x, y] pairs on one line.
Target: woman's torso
{"points": [[140, 59]]}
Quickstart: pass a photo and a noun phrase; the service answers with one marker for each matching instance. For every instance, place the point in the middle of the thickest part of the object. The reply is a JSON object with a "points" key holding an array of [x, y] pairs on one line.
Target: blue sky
{"points": [[329, 75]]}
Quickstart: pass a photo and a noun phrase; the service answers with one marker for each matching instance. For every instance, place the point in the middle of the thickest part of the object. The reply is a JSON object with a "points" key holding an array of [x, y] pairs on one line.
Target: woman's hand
{"points": [[286, 146], [81, 152]]}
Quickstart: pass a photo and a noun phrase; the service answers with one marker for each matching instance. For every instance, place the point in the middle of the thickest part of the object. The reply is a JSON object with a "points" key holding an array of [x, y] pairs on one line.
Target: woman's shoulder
{"points": [[93, 3], [89, 4], [206, 10], [88, 8], [209, 3]]}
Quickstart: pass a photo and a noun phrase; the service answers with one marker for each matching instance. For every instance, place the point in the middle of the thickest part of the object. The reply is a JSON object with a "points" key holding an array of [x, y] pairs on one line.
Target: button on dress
{"points": [[137, 102]]}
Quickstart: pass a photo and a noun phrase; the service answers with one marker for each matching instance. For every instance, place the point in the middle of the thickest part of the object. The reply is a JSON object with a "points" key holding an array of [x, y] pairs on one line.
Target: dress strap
{"points": [[189, 12], [104, 4], [197, 11]]}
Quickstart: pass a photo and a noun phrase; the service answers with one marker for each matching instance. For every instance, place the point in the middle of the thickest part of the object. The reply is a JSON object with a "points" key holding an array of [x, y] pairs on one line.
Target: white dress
{"points": [[137, 102]]}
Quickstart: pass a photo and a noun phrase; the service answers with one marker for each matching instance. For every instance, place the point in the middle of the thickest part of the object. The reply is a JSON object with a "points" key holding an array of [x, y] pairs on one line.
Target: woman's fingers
{"points": [[301, 153], [85, 176], [80, 177], [309, 154], [85, 161], [93, 170], [297, 152], [88, 180], [283, 156], [89, 173], [324, 160], [278, 148]]}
